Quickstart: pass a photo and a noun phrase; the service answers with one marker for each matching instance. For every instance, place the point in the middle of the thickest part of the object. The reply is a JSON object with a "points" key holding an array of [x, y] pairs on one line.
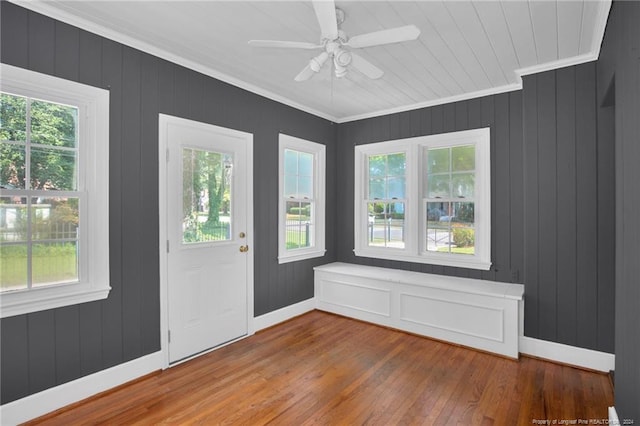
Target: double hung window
{"points": [[302, 193], [425, 199], [53, 192]]}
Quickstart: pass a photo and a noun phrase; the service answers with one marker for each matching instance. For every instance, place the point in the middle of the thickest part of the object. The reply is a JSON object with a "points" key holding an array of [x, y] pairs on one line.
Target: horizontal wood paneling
{"points": [[49, 348]]}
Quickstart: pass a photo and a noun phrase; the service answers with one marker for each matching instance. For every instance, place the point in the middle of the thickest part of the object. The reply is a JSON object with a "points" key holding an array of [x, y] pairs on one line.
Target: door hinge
{"points": [[167, 155], [169, 332], [167, 246]]}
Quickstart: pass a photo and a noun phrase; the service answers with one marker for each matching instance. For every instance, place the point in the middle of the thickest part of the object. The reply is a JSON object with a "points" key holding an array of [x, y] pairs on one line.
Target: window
{"points": [[53, 192], [302, 193], [425, 199]]}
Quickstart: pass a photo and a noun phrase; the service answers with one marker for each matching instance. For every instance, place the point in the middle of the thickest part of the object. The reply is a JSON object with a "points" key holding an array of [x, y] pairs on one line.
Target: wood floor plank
{"points": [[325, 369]]}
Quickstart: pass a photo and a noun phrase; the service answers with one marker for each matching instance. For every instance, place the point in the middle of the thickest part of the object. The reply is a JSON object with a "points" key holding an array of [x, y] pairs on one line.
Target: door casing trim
{"points": [[164, 121]]}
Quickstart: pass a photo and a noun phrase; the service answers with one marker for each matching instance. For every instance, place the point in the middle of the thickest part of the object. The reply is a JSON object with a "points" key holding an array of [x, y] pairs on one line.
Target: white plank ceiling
{"points": [[466, 48]]}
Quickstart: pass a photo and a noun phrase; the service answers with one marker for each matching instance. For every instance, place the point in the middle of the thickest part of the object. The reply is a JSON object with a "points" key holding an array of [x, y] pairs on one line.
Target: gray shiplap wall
{"points": [[503, 113], [552, 180], [569, 209], [619, 86], [48, 348]]}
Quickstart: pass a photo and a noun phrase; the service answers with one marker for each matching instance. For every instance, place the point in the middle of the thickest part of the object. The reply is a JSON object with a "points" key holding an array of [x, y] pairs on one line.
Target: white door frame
{"points": [[164, 122]]}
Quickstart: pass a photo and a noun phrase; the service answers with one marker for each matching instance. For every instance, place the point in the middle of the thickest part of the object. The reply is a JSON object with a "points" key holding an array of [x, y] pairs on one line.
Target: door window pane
{"points": [[206, 196]]}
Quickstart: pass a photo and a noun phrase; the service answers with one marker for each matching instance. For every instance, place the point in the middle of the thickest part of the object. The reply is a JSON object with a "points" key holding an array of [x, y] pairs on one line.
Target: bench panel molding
{"points": [[474, 313]]}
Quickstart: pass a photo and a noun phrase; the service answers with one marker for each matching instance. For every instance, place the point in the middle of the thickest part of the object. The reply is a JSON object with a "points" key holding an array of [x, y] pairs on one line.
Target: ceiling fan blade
{"points": [[392, 35], [326, 14], [365, 67], [283, 44], [305, 74]]}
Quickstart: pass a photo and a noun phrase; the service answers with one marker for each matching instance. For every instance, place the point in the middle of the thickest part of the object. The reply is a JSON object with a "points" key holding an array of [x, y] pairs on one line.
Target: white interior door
{"points": [[207, 189]]}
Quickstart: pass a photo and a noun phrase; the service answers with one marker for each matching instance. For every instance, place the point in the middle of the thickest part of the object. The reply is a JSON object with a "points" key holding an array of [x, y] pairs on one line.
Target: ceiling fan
{"points": [[334, 43]]}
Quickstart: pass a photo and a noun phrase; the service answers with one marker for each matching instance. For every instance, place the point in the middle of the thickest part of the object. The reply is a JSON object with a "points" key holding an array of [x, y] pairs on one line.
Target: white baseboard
{"points": [[52, 399], [283, 314], [572, 355]]}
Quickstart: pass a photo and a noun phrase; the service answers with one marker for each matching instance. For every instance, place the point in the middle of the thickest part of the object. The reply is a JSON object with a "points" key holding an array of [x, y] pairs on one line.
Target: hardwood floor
{"points": [[325, 369]]}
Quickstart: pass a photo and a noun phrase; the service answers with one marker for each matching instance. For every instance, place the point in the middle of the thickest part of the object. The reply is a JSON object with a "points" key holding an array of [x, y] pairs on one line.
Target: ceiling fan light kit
{"points": [[334, 40]]}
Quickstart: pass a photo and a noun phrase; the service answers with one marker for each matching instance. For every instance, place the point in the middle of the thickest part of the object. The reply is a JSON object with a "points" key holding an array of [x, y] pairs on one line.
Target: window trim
{"points": [[319, 187], [415, 250], [93, 182]]}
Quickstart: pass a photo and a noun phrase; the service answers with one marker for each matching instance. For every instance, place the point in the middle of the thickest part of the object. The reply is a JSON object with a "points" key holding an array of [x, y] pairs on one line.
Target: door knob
{"points": [[244, 249]]}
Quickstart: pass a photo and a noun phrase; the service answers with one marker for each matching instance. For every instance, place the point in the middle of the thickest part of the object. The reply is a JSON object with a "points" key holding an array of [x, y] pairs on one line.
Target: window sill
{"points": [[300, 256], [432, 260], [24, 302]]}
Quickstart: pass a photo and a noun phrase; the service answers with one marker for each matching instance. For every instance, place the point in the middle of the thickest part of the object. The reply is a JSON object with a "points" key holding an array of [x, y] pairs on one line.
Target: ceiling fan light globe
{"points": [[340, 71], [342, 58], [316, 63]]}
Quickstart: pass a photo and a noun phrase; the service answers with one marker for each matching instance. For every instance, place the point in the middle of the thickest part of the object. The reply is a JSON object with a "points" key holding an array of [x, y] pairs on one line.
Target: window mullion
{"points": [[29, 246], [27, 148], [27, 186]]}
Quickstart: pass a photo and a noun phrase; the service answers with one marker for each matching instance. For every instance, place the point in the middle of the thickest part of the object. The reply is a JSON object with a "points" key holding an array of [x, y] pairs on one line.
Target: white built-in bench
{"points": [[475, 313]]}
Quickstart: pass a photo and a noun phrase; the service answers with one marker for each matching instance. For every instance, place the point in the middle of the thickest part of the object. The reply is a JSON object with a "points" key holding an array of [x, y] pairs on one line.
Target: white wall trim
{"points": [[434, 102], [275, 317], [318, 213], [565, 354], [41, 403]]}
